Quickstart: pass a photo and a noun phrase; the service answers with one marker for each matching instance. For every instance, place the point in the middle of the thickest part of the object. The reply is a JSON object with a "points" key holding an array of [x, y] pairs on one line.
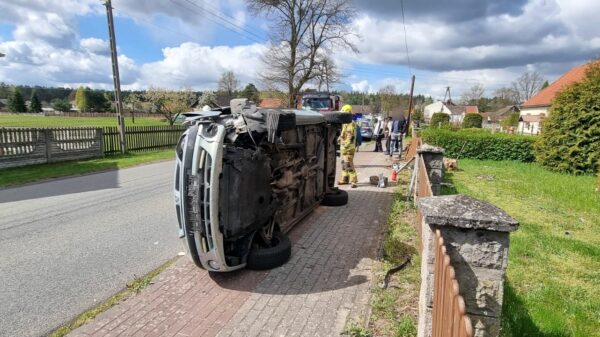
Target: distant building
{"points": [[456, 112], [537, 107], [271, 103], [492, 119]]}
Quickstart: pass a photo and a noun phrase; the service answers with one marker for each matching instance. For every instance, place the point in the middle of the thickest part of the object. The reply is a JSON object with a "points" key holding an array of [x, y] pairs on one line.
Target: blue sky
{"points": [[175, 43]]}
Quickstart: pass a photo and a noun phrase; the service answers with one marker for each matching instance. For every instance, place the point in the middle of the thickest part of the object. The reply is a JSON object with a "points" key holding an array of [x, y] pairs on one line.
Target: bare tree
{"points": [[303, 31], [473, 95], [327, 73], [528, 85], [507, 95], [170, 102], [388, 98], [228, 84]]}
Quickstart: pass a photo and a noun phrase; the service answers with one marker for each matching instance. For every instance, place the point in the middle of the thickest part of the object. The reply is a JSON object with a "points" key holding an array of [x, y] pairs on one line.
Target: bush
{"points": [[570, 139], [511, 120], [472, 120], [481, 144], [439, 118]]}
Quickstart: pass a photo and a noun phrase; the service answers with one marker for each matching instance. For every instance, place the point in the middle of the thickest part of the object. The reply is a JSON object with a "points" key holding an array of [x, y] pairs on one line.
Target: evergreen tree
{"points": [[250, 92], [36, 105], [16, 102], [81, 99]]}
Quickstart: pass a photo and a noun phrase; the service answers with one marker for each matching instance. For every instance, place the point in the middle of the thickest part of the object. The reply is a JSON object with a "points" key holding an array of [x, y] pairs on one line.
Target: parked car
{"points": [[366, 130], [245, 176]]}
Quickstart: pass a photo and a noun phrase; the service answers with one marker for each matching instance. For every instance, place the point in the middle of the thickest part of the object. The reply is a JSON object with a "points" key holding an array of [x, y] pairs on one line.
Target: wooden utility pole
{"points": [[410, 102], [116, 79]]}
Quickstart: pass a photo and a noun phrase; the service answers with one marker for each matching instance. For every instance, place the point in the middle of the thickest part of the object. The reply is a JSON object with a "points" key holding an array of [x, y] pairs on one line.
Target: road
{"points": [[68, 244]]}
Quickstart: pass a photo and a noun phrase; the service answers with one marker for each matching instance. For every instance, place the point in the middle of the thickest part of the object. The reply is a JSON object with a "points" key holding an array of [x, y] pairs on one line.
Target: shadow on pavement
{"points": [[331, 249], [63, 186]]}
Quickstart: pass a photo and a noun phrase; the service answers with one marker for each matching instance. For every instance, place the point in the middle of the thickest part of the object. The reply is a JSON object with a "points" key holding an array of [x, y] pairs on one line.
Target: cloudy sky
{"points": [[175, 43]]}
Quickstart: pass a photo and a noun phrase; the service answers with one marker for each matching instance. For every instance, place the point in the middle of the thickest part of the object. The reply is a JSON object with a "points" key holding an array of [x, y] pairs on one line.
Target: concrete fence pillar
{"points": [[433, 157], [476, 236]]}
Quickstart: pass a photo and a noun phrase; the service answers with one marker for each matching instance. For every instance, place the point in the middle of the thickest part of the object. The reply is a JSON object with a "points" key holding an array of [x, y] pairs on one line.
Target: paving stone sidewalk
{"points": [[325, 284]]}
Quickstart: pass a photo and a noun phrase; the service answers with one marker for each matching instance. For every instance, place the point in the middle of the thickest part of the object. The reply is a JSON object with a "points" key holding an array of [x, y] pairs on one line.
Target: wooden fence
{"points": [[142, 138], [412, 148], [448, 317], [27, 146]]}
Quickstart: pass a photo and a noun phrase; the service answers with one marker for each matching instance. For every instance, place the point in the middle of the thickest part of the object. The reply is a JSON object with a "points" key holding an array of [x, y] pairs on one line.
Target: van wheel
{"points": [[338, 117], [261, 257], [336, 198]]}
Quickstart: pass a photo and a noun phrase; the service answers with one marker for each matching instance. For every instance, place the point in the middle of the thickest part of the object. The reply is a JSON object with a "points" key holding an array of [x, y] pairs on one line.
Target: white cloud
{"points": [[191, 64]]}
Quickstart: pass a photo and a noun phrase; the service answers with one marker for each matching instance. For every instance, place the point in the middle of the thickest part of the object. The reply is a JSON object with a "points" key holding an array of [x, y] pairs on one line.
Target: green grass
{"points": [[56, 121], [553, 276], [21, 175], [132, 288], [395, 309]]}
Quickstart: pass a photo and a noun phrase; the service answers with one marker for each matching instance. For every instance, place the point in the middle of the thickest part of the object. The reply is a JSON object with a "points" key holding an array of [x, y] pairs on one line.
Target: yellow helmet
{"points": [[347, 108]]}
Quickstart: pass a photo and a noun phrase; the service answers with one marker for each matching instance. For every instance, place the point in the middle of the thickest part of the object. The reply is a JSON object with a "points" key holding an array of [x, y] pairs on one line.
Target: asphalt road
{"points": [[68, 244]]}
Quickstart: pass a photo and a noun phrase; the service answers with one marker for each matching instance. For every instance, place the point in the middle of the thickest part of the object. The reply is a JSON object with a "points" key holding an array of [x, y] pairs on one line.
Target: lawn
{"points": [[56, 121], [553, 276], [28, 174]]}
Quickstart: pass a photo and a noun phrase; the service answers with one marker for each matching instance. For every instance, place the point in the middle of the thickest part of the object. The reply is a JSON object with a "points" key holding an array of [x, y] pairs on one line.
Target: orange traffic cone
{"points": [[394, 176]]}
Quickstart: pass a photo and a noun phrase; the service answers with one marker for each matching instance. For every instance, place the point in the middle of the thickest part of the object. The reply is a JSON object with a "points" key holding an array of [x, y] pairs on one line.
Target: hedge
{"points": [[439, 118], [472, 120], [481, 144]]}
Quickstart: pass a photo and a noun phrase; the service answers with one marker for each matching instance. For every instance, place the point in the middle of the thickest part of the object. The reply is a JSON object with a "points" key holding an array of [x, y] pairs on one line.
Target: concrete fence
{"points": [[468, 240], [28, 146]]}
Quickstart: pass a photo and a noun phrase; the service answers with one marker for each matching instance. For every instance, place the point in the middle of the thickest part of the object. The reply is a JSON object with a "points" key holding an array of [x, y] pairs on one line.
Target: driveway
{"points": [[68, 244], [325, 284]]}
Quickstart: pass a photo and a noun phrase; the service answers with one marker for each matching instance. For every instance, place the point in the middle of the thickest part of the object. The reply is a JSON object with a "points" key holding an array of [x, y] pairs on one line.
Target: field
{"points": [[553, 277], [54, 121]]}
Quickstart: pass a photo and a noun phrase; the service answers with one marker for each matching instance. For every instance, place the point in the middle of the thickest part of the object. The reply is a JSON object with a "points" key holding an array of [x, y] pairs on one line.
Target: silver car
{"points": [[245, 176]]}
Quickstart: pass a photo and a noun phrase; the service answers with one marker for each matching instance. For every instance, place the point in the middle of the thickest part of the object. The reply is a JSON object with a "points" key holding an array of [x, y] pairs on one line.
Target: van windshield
{"points": [[316, 103]]}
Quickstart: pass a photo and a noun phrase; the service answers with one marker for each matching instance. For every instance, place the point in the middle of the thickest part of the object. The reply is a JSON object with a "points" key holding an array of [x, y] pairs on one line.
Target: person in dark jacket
{"points": [[396, 135]]}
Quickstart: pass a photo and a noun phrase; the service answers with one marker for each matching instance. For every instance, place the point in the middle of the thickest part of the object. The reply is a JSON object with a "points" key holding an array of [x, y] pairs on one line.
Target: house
{"points": [[537, 107], [272, 103], [456, 112], [492, 119]]}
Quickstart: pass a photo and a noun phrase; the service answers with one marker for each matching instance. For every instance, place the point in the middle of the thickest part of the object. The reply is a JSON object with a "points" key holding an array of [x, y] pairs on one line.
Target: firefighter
{"points": [[347, 142]]}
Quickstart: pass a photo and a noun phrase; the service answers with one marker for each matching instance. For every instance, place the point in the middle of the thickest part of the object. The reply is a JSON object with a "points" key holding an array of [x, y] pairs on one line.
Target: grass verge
{"points": [[57, 121], [133, 288], [22, 175], [394, 310], [553, 276]]}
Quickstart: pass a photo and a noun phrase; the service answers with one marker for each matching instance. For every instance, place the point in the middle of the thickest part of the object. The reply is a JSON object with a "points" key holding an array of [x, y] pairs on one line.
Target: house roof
{"points": [[531, 118], [546, 95], [462, 109], [501, 113], [471, 109], [271, 103]]}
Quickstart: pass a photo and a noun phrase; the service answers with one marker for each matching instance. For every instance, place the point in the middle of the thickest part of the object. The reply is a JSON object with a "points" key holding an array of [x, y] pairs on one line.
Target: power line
{"points": [[240, 30], [405, 37]]}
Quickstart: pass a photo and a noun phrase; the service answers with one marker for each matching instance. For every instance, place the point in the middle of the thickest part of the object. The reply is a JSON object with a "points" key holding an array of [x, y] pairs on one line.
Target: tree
{"points": [[16, 102], [96, 100], [506, 96], [170, 102], [473, 95], [35, 105], [304, 31], [511, 120], [327, 73], [132, 99], [60, 104], [545, 85], [208, 98], [439, 119], [472, 120], [81, 99], [528, 85], [570, 139], [228, 84], [250, 92], [389, 99]]}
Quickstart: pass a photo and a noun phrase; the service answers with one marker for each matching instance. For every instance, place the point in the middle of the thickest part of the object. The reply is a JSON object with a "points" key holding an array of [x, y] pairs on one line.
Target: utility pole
{"points": [[116, 79], [410, 102]]}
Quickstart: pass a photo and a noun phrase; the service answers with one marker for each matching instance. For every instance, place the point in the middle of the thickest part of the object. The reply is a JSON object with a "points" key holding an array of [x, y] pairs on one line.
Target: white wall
{"points": [[432, 108]]}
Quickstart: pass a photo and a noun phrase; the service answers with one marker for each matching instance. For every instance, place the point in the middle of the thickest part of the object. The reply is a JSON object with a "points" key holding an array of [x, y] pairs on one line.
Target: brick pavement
{"points": [[323, 286]]}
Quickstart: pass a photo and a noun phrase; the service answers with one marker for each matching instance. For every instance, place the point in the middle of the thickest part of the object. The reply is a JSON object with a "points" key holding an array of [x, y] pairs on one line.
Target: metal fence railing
{"points": [[142, 138], [449, 314]]}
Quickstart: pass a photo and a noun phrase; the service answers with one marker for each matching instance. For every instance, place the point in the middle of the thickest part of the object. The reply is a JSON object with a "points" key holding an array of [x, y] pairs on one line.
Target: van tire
{"points": [[261, 258]]}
